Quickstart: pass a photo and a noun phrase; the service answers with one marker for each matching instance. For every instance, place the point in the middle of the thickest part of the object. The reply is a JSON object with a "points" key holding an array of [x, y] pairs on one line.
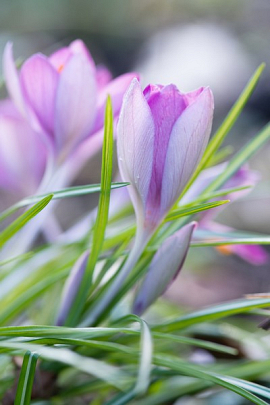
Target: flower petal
{"points": [[187, 143], [22, 156], [135, 135], [166, 104], [12, 79], [39, 82], [116, 89], [164, 268], [75, 102], [103, 76]]}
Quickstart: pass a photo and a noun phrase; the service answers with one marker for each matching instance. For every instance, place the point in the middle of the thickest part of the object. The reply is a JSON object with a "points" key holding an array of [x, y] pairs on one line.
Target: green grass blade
{"points": [[203, 374], [111, 374], [240, 158], [216, 347], [25, 384], [212, 313], [182, 211], [60, 194], [227, 124], [102, 218], [20, 222]]}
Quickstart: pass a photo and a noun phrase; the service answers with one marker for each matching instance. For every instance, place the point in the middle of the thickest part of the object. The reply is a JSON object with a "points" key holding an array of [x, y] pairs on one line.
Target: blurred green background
{"points": [[191, 43]]}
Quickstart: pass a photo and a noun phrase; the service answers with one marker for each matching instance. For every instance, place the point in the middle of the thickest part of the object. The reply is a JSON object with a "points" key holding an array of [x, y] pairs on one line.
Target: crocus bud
{"points": [[162, 134], [71, 288], [164, 268], [63, 95], [22, 153]]}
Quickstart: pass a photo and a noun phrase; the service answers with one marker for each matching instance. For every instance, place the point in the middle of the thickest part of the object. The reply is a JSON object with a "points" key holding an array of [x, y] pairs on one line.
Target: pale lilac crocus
{"points": [[22, 153], [253, 254], [161, 136], [63, 96], [164, 268]]}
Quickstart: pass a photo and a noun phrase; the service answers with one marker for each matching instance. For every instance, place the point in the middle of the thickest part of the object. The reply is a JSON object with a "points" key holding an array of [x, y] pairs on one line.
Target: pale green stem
{"points": [[140, 242]]}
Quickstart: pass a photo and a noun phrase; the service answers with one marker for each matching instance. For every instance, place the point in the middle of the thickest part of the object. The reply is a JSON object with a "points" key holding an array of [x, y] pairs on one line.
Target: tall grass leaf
{"points": [[182, 211], [101, 220], [111, 374], [60, 194], [198, 372], [212, 313], [26, 379], [20, 222]]}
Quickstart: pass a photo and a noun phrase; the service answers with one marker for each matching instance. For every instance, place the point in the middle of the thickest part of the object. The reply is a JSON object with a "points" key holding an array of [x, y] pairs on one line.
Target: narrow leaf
{"points": [[20, 222], [25, 384], [182, 212], [102, 218]]}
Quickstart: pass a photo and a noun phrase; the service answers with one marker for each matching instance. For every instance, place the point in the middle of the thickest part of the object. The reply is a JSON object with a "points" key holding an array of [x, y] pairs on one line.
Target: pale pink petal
{"points": [[12, 79], [59, 58], [75, 103], [103, 76], [78, 47], [116, 89], [22, 156], [253, 254], [135, 141], [39, 82], [164, 268], [187, 143]]}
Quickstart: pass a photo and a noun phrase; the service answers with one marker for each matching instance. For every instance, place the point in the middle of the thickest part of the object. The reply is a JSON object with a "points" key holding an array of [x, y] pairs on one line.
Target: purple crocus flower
{"points": [[253, 254], [164, 268], [22, 153], [63, 96], [162, 134]]}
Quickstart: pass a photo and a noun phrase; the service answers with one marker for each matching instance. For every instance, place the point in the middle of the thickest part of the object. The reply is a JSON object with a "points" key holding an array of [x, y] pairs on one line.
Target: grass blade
{"points": [[102, 218], [60, 194], [212, 313], [182, 212], [227, 124], [20, 222], [25, 384]]}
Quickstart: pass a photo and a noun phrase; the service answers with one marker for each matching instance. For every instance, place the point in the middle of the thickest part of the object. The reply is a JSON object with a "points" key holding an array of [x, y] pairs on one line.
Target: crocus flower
{"points": [[162, 134], [63, 95], [71, 288], [253, 254], [22, 153], [164, 268]]}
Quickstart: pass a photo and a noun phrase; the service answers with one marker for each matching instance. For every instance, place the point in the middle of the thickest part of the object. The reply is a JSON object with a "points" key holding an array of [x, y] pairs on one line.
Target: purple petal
{"points": [[12, 79], [103, 76], [75, 102], [60, 58], [187, 143], [22, 155], [116, 89], [166, 104], [71, 287], [164, 268], [135, 136], [253, 254], [39, 82]]}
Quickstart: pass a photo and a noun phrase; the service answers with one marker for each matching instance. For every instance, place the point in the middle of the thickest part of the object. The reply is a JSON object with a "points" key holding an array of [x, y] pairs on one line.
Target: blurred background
{"points": [[190, 43]]}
